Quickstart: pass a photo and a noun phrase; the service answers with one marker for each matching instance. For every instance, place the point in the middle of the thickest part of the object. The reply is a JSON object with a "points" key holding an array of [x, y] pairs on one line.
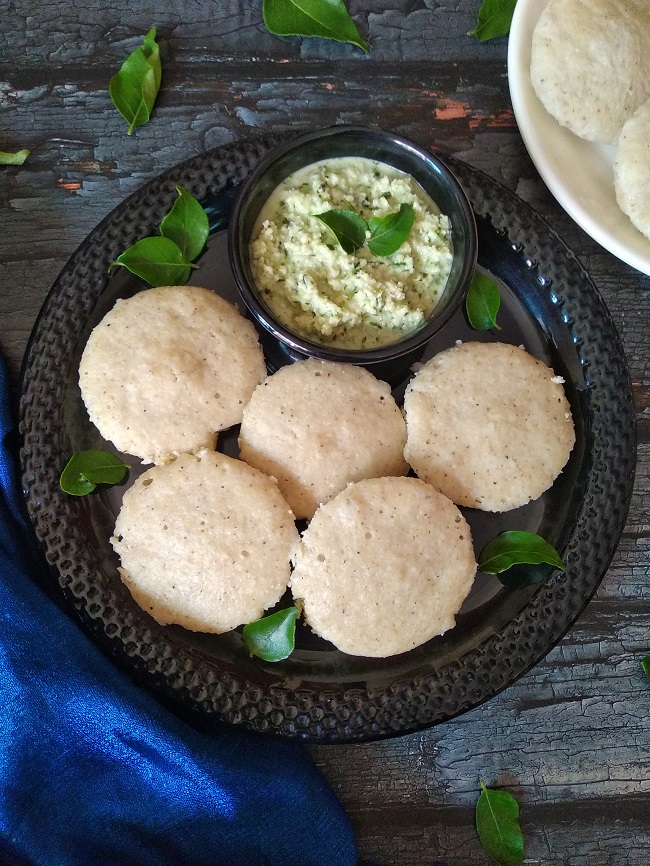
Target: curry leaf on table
{"points": [[151, 51], [135, 87], [645, 664], [493, 19], [497, 825], [387, 234], [482, 302], [86, 469], [273, 637], [16, 158], [348, 227], [516, 548], [328, 19], [186, 224], [156, 260]]}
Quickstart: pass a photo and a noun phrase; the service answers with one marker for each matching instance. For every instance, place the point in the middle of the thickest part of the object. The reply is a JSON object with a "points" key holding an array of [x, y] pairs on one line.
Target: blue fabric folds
{"points": [[94, 772]]}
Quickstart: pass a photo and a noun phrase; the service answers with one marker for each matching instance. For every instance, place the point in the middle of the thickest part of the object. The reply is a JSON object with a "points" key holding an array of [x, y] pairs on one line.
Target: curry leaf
{"points": [[482, 303], [328, 19], [273, 637], [151, 51], [157, 260], [494, 19], [645, 664], [497, 824], [527, 574], [17, 158], [515, 548], [348, 227], [387, 234], [134, 88], [86, 469], [186, 224], [131, 89]]}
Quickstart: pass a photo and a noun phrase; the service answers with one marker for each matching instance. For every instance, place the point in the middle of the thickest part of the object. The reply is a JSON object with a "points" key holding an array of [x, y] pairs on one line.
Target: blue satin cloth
{"points": [[94, 772]]}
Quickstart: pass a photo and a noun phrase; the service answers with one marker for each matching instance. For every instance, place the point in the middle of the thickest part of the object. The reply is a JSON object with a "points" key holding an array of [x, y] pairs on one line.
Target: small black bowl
{"points": [[283, 345]]}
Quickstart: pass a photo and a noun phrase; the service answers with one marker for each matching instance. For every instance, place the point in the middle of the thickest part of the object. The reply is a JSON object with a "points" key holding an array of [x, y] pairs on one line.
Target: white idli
{"points": [[632, 169], [317, 425], [384, 566], [488, 425], [166, 369], [590, 63], [205, 542]]}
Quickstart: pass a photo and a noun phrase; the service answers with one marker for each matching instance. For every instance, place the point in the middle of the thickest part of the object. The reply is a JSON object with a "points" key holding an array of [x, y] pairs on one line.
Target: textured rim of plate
{"points": [[525, 104], [261, 697]]}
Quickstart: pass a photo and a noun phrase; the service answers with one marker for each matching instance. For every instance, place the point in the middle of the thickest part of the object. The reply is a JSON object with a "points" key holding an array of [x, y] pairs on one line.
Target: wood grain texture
{"points": [[570, 738]]}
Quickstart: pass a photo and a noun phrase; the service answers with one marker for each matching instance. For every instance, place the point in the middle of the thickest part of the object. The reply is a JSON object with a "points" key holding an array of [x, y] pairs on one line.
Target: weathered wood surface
{"points": [[570, 738]]}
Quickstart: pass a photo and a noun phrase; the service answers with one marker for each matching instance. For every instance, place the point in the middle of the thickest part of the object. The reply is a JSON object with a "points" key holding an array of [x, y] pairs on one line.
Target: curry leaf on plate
{"points": [[526, 574], [135, 87], [186, 224], [348, 227], [16, 158], [482, 302], [328, 19], [515, 548], [86, 469], [273, 637], [497, 825], [493, 19], [387, 234], [157, 260]]}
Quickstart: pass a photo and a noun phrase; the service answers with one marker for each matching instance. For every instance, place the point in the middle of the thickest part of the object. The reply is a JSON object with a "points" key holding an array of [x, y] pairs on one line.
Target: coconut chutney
{"points": [[348, 300]]}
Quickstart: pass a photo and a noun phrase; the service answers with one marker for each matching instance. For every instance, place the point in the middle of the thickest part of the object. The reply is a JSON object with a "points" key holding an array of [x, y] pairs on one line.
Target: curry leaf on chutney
{"points": [[348, 227], [388, 233]]}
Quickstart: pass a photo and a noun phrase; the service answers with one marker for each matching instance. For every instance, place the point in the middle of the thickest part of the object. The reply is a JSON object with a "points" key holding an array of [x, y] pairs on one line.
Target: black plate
{"points": [[549, 305]]}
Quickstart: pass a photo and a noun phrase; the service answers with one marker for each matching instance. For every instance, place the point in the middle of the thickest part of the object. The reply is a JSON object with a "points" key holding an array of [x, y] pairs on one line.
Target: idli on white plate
{"points": [[632, 168], [205, 542], [317, 425], [590, 63], [384, 566], [168, 368], [488, 425]]}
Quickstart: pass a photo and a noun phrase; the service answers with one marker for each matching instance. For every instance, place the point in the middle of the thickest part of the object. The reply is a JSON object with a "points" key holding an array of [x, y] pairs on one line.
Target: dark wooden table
{"points": [[570, 739]]}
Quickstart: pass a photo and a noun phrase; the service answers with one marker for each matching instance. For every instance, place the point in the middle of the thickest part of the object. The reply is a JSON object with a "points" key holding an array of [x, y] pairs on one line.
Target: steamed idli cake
{"points": [[205, 542], [317, 425], [384, 566], [168, 368], [590, 63], [632, 169], [488, 425]]}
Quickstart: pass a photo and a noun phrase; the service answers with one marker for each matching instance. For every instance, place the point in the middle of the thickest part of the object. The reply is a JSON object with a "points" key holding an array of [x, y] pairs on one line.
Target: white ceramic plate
{"points": [[578, 173]]}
